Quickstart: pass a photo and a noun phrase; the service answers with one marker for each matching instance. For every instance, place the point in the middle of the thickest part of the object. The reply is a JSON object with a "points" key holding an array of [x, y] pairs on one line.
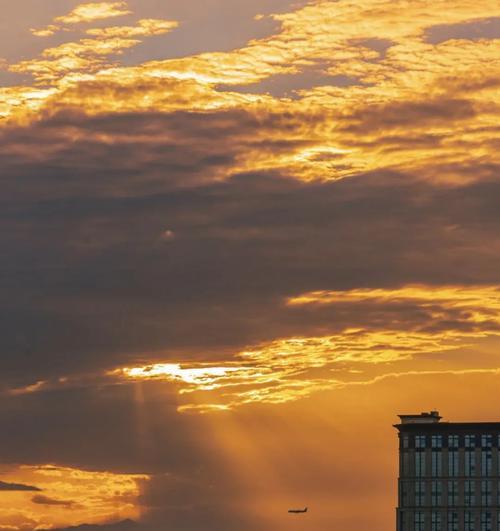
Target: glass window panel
{"points": [[404, 494], [470, 463], [420, 493], [469, 521], [453, 463], [452, 521], [486, 493], [452, 493], [420, 521], [436, 493], [470, 441], [486, 462], [436, 521], [437, 463], [486, 521], [406, 464], [419, 464], [419, 441], [470, 493], [437, 441], [486, 441]]}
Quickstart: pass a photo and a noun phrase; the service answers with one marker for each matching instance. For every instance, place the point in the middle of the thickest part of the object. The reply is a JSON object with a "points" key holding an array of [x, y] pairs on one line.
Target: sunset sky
{"points": [[237, 239]]}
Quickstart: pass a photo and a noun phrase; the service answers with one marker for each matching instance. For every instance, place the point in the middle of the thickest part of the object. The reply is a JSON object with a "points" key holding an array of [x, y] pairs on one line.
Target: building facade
{"points": [[449, 474]]}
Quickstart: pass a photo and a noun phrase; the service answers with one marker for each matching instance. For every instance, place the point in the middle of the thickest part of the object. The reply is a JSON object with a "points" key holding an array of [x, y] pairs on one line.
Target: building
{"points": [[449, 474]]}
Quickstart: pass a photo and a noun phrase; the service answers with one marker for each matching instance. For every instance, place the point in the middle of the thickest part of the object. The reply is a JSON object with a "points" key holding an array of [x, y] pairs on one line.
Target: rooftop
{"points": [[431, 421], [421, 418]]}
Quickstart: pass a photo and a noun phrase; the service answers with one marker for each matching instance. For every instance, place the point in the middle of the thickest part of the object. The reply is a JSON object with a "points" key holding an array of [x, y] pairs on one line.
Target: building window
{"points": [[406, 441], [486, 521], [452, 441], [437, 463], [486, 441], [470, 493], [419, 464], [436, 493], [470, 463], [437, 441], [485, 493], [486, 461], [404, 494], [452, 493], [452, 521], [469, 521], [498, 501], [420, 493], [420, 521], [436, 521], [453, 463], [470, 441], [419, 441], [406, 464]]}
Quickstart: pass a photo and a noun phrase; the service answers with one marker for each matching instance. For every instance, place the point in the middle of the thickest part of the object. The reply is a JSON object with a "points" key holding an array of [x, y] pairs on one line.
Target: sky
{"points": [[237, 239]]}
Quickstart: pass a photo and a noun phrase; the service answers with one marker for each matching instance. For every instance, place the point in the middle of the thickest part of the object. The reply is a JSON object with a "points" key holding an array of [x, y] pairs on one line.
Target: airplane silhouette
{"points": [[297, 511]]}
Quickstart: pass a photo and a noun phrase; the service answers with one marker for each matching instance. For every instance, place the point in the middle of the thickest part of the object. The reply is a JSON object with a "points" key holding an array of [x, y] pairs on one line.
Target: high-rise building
{"points": [[449, 474]]}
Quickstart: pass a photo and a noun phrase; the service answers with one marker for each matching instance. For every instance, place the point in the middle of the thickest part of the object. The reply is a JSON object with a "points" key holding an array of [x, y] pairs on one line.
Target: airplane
{"points": [[297, 511]]}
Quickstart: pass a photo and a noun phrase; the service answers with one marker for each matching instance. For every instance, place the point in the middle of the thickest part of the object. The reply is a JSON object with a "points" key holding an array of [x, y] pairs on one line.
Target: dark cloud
{"points": [[379, 45], [398, 115], [40, 499], [287, 85], [149, 152], [124, 525], [90, 282], [17, 487], [487, 28]]}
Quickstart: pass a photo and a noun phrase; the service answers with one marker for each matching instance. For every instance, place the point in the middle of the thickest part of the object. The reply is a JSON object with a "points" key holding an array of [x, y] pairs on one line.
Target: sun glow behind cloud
{"points": [[203, 378], [402, 328], [446, 318]]}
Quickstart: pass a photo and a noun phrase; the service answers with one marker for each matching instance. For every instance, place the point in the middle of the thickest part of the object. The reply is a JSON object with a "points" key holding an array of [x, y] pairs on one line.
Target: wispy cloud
{"points": [[445, 319], [84, 13], [144, 28]]}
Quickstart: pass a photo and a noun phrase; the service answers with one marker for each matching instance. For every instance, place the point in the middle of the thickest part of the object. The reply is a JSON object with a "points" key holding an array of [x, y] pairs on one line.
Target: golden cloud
{"points": [[415, 329], [85, 56], [145, 28], [68, 496], [84, 13], [400, 82], [94, 11], [290, 368]]}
